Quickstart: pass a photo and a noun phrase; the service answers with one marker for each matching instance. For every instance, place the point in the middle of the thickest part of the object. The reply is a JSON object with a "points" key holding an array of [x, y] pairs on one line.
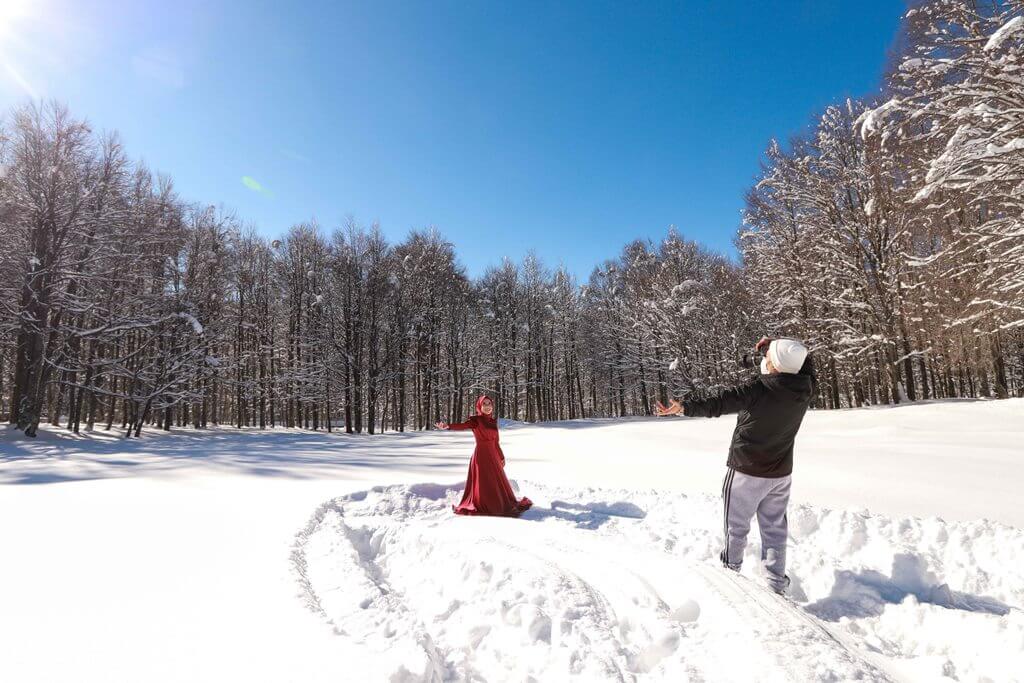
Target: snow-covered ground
{"points": [[290, 555]]}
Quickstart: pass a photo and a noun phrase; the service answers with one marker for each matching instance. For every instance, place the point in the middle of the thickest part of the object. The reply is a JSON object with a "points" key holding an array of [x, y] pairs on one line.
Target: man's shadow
{"points": [[866, 593]]}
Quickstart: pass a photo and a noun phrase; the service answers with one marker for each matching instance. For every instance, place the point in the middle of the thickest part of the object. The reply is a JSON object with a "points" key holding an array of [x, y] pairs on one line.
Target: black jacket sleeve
{"points": [[729, 401]]}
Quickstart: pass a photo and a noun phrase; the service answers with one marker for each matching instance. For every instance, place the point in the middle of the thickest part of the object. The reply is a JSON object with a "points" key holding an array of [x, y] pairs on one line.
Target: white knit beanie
{"points": [[787, 355]]}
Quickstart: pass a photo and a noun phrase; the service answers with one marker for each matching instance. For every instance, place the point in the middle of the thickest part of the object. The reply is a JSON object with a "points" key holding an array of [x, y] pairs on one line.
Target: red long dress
{"points": [[487, 489]]}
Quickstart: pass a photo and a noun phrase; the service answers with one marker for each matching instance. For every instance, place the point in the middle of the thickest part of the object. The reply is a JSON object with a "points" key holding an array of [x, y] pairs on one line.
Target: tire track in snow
{"points": [[756, 629], [367, 604], [576, 590], [577, 617], [787, 632], [587, 609]]}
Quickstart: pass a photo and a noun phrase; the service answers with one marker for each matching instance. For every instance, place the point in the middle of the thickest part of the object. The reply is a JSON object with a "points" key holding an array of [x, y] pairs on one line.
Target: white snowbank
{"points": [[610, 584]]}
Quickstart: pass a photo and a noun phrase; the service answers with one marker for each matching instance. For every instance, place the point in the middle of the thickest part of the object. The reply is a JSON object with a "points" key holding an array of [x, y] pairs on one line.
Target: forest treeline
{"points": [[890, 236]]}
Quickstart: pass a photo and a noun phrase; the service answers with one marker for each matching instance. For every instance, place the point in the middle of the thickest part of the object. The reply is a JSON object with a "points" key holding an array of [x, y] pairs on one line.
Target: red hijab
{"points": [[480, 406]]}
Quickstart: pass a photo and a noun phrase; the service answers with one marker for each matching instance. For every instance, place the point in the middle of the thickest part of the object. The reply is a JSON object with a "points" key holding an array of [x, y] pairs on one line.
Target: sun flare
{"points": [[13, 10], [15, 17]]}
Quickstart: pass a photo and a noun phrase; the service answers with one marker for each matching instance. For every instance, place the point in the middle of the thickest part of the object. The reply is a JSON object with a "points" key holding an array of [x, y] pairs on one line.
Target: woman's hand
{"points": [[441, 425], [762, 343], [673, 408]]}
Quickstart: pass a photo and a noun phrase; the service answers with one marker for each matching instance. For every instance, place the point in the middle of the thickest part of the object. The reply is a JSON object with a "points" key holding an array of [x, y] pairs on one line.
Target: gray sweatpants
{"points": [[743, 496]]}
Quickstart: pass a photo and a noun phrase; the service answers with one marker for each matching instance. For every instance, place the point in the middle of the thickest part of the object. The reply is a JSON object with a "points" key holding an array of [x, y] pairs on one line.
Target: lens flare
{"points": [[14, 14], [11, 11], [256, 186]]}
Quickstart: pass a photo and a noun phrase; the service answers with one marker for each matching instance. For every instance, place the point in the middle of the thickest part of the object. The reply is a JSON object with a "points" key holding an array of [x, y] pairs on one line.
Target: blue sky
{"points": [[569, 128]]}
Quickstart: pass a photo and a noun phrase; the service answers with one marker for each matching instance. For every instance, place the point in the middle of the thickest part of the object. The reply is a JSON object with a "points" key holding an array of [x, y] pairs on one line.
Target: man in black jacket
{"points": [[771, 409]]}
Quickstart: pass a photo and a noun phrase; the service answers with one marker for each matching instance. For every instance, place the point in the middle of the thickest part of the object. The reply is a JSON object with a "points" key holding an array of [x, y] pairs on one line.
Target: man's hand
{"points": [[673, 408], [763, 343], [442, 425]]}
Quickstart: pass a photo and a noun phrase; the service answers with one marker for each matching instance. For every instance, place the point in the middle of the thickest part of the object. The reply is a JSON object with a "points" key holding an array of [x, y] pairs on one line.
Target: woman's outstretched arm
{"points": [[456, 426]]}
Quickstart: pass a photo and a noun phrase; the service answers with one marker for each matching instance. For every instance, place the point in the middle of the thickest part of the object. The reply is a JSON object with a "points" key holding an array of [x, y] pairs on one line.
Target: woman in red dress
{"points": [[487, 489]]}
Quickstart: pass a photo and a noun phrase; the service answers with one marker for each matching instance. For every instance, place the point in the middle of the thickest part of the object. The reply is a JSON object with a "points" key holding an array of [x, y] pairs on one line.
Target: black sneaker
{"points": [[780, 590]]}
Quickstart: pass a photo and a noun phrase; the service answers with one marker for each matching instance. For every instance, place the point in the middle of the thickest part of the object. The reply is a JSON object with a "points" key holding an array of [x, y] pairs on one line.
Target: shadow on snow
{"points": [[584, 515], [866, 593], [55, 457]]}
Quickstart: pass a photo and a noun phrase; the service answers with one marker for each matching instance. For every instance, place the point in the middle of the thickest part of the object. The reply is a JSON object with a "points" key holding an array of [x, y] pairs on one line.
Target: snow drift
{"points": [[613, 585]]}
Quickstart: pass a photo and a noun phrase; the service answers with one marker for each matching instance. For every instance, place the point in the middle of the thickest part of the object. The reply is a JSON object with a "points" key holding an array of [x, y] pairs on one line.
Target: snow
{"points": [[1011, 146], [606, 591], [685, 286], [871, 120], [918, 262], [287, 555], [1005, 31], [197, 326]]}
